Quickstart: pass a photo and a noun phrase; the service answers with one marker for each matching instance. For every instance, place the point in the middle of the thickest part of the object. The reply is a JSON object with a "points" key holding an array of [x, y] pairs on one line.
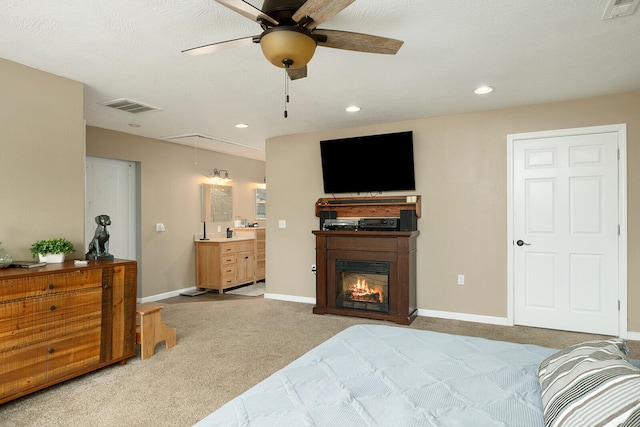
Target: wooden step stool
{"points": [[151, 329]]}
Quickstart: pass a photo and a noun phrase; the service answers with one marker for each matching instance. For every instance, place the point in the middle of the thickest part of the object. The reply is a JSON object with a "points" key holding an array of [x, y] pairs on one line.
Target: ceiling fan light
{"points": [[281, 44]]}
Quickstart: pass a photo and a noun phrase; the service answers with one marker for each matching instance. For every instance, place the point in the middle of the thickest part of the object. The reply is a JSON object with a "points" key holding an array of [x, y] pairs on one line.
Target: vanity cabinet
{"points": [[225, 263], [260, 234], [60, 321]]}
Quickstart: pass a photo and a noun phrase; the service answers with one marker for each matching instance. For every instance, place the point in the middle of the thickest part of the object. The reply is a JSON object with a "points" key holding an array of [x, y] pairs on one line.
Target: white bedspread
{"points": [[378, 375]]}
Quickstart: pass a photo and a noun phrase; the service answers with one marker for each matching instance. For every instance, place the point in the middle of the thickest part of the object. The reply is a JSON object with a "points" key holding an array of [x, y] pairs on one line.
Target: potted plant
{"points": [[52, 250]]}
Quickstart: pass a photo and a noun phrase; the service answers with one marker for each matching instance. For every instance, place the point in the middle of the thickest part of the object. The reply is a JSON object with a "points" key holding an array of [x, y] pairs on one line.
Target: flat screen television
{"points": [[368, 163]]}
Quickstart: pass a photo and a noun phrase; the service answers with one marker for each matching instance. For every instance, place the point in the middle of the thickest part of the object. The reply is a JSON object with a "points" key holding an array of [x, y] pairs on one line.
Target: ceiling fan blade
{"points": [[298, 73], [216, 47], [358, 42], [247, 10], [319, 10]]}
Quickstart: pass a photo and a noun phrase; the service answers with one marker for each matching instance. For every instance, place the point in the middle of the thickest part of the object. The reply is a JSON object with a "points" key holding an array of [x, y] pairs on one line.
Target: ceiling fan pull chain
{"points": [[286, 92]]}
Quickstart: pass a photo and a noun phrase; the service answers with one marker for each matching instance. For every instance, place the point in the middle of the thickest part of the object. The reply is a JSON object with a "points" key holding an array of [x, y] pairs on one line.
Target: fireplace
{"points": [[362, 285], [369, 274]]}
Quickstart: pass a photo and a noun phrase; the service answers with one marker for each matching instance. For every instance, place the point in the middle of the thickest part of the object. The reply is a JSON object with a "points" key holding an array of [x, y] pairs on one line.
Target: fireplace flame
{"points": [[360, 291]]}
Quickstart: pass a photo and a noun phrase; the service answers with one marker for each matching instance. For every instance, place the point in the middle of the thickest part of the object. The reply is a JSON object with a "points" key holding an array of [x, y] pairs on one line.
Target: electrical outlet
{"points": [[313, 268], [460, 279]]}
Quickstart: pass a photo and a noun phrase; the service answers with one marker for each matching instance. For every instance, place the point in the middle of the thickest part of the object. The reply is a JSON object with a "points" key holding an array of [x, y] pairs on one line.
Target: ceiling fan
{"points": [[290, 34]]}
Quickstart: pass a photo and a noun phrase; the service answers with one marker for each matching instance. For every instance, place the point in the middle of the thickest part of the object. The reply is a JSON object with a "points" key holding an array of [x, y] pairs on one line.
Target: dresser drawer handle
{"points": [[51, 286], [52, 308], [50, 350]]}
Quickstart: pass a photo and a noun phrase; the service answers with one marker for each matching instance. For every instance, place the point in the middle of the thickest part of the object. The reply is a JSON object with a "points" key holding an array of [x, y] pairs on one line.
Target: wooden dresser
{"points": [[260, 235], [62, 320], [225, 263]]}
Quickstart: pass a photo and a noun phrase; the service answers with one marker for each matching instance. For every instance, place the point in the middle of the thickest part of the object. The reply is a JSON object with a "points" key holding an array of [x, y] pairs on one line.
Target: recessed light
{"points": [[242, 125], [482, 90], [352, 108]]}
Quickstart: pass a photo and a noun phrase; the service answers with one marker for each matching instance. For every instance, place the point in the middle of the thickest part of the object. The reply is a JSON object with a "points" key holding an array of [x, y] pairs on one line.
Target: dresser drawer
{"points": [[73, 353], [228, 259], [33, 320], [35, 286], [228, 270], [227, 248], [228, 281], [37, 364]]}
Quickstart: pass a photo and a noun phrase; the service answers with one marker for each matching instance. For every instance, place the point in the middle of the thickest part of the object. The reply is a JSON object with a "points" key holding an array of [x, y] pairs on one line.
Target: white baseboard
{"points": [[292, 298], [421, 312], [502, 321], [175, 293], [307, 300], [159, 297], [633, 336]]}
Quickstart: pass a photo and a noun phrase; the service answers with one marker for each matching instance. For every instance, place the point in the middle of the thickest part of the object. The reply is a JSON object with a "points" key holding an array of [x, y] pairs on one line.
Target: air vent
{"points": [[130, 106], [210, 142], [620, 8]]}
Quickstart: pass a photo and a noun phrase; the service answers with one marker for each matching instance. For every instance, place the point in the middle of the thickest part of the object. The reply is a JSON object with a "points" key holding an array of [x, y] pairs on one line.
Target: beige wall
{"points": [[42, 170], [460, 169], [41, 160], [461, 173], [170, 178]]}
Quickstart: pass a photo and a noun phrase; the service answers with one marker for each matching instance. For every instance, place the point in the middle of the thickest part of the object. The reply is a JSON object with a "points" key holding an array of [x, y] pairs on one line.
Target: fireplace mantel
{"points": [[398, 248], [381, 206]]}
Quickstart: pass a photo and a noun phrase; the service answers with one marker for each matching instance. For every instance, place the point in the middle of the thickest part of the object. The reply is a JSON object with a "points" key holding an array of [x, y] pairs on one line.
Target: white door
{"points": [[565, 238], [111, 190]]}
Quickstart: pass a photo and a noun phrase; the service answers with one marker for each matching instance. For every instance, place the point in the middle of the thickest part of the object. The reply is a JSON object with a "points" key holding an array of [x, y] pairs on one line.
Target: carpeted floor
{"points": [[225, 345]]}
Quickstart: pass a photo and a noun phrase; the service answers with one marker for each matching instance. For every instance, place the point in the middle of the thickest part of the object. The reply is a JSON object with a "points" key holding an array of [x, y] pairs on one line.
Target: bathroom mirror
{"points": [[217, 203], [261, 203]]}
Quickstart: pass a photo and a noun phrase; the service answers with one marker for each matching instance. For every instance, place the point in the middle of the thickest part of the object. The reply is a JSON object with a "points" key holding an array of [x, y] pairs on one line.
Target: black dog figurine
{"points": [[99, 245]]}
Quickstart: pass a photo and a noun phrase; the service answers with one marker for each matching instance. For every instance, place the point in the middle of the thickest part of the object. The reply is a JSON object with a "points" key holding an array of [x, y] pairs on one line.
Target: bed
{"points": [[380, 375]]}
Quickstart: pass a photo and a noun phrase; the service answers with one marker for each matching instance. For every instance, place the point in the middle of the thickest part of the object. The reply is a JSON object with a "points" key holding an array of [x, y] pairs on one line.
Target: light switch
{"points": [[282, 223], [160, 227]]}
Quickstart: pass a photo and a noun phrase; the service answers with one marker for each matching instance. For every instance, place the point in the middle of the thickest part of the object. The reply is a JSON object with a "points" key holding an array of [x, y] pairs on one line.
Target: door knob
{"points": [[522, 242]]}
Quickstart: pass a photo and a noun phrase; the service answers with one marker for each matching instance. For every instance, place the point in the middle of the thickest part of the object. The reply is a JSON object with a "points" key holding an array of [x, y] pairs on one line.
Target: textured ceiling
{"points": [[530, 51]]}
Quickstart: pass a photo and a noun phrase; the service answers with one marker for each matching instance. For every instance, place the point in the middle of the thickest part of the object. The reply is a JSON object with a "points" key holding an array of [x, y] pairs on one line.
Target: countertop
{"points": [[224, 239]]}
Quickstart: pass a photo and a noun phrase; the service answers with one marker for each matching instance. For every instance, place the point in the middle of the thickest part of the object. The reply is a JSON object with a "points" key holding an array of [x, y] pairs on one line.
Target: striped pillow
{"points": [[590, 384]]}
